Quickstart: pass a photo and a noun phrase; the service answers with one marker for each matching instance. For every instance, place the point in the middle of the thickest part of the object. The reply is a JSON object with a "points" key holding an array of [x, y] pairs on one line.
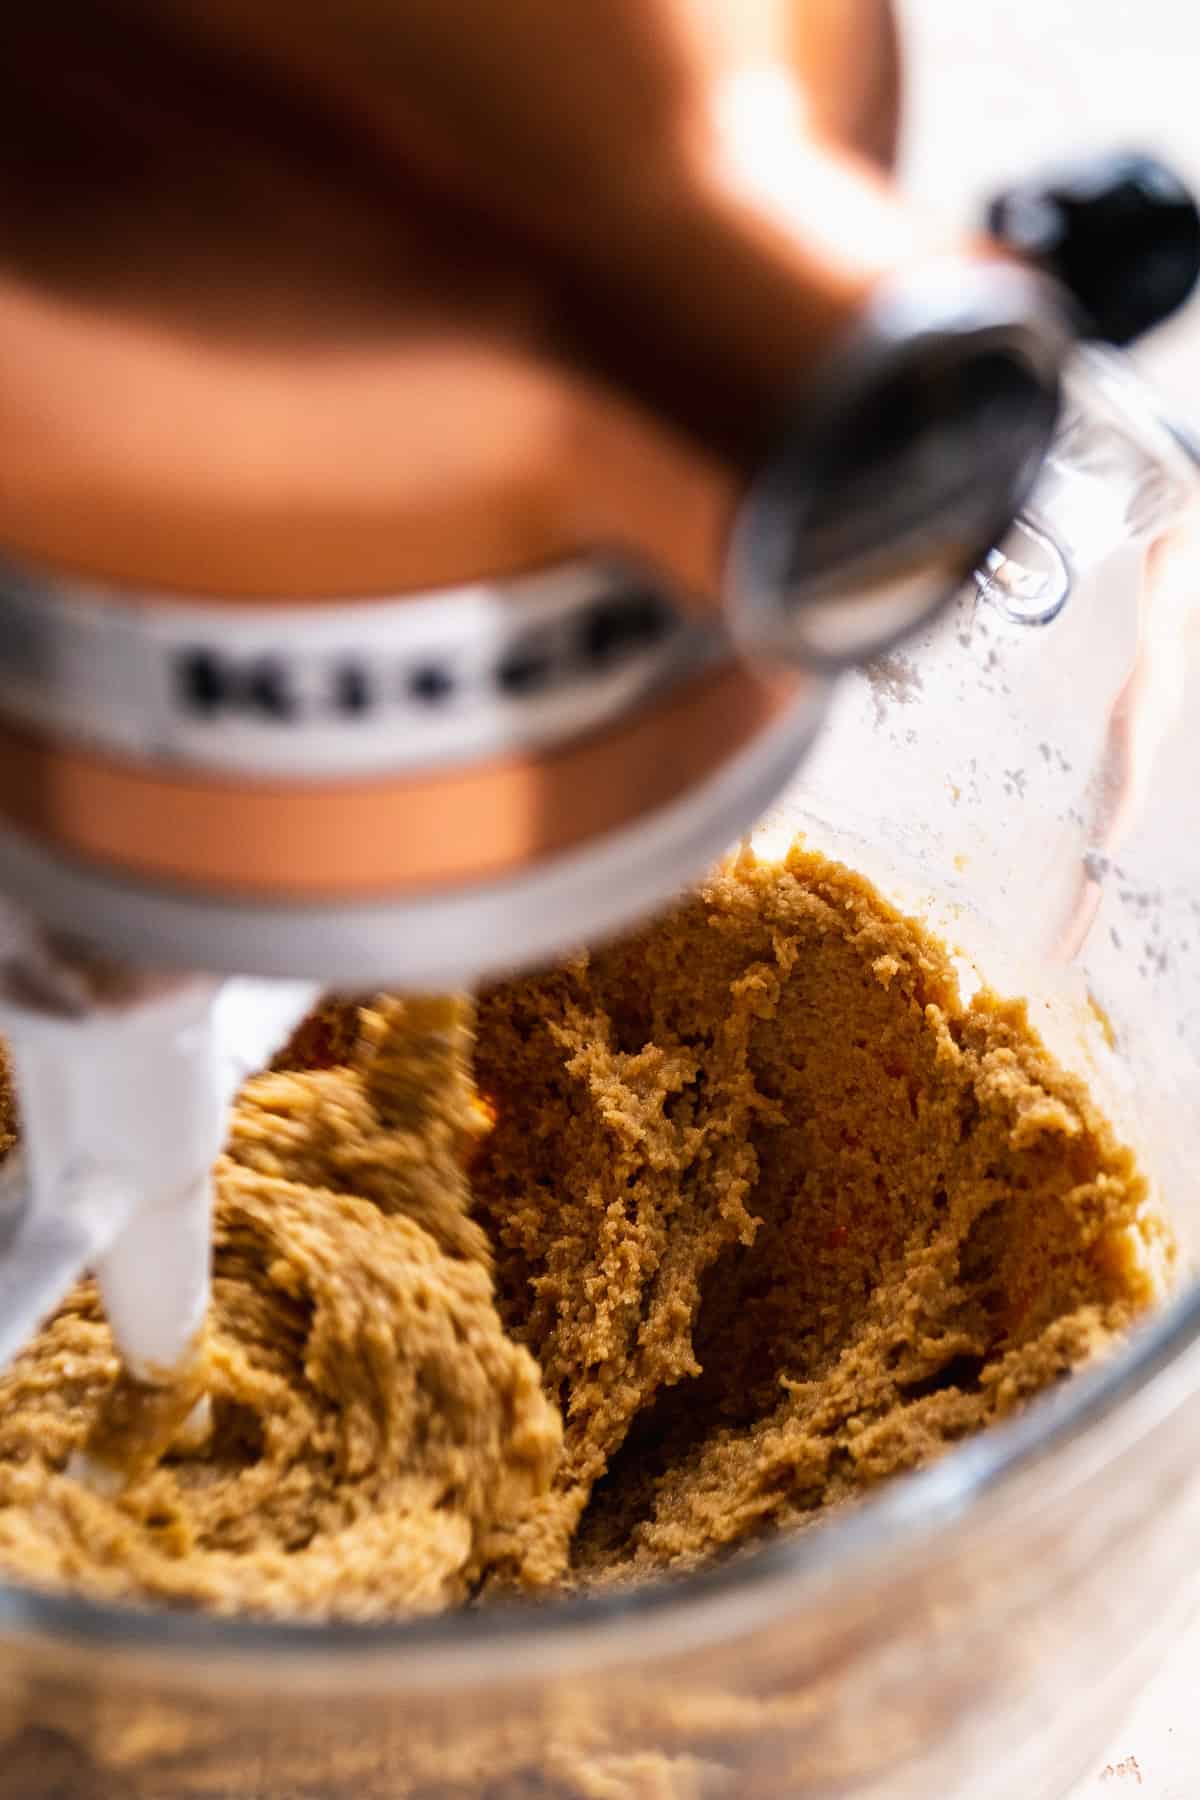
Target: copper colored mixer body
{"points": [[432, 460]]}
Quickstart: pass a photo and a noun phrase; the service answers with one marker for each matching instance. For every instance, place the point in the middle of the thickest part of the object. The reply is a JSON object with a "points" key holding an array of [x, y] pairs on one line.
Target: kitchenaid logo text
{"points": [[324, 691], [277, 687]]}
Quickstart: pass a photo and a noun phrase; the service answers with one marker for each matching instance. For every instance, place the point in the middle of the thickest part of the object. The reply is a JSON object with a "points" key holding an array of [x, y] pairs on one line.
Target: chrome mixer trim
{"points": [[293, 692], [901, 464], [439, 939]]}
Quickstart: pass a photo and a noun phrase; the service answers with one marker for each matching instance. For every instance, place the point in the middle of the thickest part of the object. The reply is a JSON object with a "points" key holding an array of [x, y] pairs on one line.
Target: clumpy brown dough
{"points": [[372, 1421], [775, 1214]]}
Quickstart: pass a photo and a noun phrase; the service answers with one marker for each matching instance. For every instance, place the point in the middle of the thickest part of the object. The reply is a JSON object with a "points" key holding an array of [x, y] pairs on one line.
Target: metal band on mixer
{"points": [[358, 688], [404, 790]]}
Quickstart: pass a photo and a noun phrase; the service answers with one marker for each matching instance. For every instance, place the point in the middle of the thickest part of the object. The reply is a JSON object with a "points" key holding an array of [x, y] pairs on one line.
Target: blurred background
{"points": [[997, 86]]}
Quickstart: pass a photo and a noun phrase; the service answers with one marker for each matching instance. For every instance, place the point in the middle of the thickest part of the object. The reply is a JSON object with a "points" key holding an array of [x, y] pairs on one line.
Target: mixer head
{"points": [[424, 789], [442, 574], [419, 564]]}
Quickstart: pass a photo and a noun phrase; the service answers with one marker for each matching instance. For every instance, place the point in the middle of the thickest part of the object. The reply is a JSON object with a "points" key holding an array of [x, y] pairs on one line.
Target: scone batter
{"points": [[765, 1214]]}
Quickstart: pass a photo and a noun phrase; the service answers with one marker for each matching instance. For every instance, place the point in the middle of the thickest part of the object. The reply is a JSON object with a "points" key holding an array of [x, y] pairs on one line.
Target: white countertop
{"points": [[997, 87], [1155, 1753]]}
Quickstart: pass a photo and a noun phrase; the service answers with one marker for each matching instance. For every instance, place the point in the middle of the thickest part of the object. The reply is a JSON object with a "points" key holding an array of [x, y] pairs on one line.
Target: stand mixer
{"points": [[447, 471]]}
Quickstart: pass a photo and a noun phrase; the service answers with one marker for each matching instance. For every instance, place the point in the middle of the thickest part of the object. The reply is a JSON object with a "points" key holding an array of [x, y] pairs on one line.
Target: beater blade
{"points": [[123, 1084]]}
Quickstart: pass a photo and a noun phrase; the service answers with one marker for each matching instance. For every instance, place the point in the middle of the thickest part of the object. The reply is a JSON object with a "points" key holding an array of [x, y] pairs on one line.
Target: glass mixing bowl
{"points": [[1026, 778]]}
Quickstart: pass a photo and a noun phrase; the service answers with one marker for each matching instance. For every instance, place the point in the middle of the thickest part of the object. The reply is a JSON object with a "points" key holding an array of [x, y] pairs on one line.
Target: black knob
{"points": [[1121, 232]]}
